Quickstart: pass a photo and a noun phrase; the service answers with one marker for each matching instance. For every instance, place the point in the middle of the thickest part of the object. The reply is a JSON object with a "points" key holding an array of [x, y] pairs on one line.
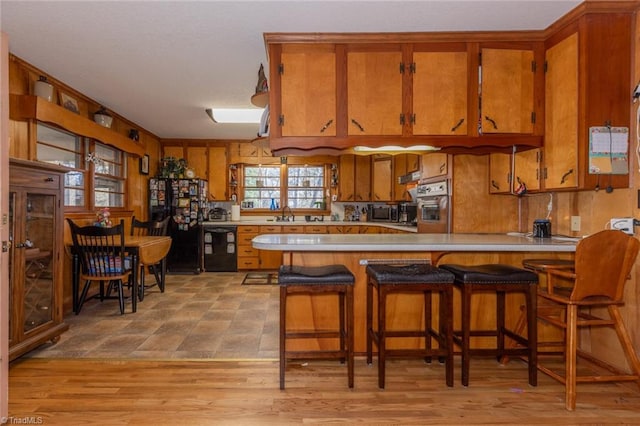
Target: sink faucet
{"points": [[290, 211]]}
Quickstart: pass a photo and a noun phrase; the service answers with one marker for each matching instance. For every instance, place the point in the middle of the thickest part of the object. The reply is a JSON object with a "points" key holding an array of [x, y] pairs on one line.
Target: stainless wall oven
{"points": [[434, 208]]}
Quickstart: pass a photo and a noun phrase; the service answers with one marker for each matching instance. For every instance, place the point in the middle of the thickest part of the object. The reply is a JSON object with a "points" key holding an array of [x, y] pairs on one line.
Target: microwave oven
{"points": [[382, 213]]}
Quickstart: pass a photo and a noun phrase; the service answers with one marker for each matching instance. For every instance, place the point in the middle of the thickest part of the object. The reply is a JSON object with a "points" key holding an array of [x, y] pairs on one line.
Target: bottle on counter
{"points": [[273, 205]]}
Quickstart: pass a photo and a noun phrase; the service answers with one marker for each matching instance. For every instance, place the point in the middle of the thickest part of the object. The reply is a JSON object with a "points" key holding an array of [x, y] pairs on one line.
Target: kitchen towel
{"points": [[235, 213]]}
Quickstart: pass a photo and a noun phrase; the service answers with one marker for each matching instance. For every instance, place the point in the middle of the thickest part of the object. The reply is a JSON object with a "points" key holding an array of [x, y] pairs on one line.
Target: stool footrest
{"points": [[410, 333], [315, 354], [313, 334]]}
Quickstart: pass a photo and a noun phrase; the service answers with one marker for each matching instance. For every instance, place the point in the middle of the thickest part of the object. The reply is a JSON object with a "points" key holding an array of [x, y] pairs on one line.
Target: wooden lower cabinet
{"points": [[270, 259], [248, 257], [35, 267]]}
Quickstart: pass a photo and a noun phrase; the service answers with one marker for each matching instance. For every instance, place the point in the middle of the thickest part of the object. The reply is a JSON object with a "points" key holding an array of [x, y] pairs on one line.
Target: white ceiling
{"points": [[161, 63]]}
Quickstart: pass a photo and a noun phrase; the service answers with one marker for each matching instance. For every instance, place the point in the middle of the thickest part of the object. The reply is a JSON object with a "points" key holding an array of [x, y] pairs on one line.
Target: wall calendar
{"points": [[609, 150]]}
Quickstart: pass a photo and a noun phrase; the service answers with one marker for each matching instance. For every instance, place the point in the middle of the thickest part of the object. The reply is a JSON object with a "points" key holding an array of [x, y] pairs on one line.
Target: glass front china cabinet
{"points": [[36, 255]]}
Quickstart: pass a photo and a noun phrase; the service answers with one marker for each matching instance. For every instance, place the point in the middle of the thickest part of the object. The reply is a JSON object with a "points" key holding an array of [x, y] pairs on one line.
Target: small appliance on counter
{"points": [[382, 212], [218, 214], [408, 214], [542, 228]]}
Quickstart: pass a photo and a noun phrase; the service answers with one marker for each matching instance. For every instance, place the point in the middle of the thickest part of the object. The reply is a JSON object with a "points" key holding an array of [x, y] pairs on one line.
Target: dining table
{"points": [[143, 250]]}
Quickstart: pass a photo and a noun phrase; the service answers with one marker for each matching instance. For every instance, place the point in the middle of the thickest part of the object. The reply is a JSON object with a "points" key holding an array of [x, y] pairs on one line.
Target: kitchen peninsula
{"points": [[356, 251]]}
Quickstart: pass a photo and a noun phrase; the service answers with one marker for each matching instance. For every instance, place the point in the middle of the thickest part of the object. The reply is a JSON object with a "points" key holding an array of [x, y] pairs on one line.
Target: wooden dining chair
{"points": [[150, 228], [603, 262], [102, 258]]}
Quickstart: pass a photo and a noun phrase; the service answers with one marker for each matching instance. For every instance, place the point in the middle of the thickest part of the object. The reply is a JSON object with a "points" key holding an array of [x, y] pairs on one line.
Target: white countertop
{"points": [[271, 222], [411, 242]]}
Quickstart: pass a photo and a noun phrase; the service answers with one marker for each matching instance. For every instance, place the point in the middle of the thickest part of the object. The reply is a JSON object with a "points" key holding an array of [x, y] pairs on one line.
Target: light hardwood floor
{"points": [[104, 387], [212, 392]]}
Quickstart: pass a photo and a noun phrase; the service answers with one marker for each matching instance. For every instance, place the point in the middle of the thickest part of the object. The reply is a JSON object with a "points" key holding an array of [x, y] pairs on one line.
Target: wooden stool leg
{"points": [[369, 331], [427, 323], [571, 349], [343, 324], [532, 333], [283, 331], [446, 330], [382, 327], [350, 336], [466, 324], [500, 323]]}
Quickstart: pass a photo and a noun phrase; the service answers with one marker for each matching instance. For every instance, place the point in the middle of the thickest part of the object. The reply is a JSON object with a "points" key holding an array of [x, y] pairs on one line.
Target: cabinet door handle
{"points": [[358, 125], [495, 184], [458, 124], [49, 179], [490, 120], [565, 176], [443, 167], [326, 126]]}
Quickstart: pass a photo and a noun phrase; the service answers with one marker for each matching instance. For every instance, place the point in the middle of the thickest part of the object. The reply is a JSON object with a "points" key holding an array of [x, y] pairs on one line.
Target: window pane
{"points": [[73, 197], [108, 192], [110, 160], [305, 187], [59, 147], [261, 184], [109, 176]]}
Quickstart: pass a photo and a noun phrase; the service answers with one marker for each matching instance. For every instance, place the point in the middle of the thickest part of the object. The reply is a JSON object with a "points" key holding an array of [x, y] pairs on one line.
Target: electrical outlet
{"points": [[575, 223], [624, 224]]}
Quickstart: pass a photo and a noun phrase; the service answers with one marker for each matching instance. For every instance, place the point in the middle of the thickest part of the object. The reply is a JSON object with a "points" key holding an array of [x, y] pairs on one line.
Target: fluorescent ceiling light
{"points": [[393, 148], [235, 115]]}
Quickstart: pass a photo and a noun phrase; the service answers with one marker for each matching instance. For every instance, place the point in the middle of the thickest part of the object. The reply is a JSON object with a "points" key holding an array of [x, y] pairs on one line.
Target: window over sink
{"points": [[301, 187]]}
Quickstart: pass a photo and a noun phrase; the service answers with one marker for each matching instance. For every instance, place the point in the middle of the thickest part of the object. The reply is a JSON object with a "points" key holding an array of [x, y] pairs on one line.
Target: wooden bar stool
{"points": [[316, 280], [417, 278], [539, 266], [498, 279]]}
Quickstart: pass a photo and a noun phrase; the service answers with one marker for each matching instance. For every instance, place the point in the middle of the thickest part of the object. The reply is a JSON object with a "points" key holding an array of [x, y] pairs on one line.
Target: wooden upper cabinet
{"points": [[561, 119], [434, 164], [374, 93], [509, 172], [307, 90], [173, 151], [588, 84], [507, 96], [362, 183], [499, 173], [382, 179], [218, 174], [197, 160], [528, 170], [402, 165], [440, 93], [346, 178]]}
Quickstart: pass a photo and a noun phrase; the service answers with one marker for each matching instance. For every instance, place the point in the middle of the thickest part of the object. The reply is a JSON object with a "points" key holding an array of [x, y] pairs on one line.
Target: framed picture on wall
{"points": [[69, 103], [144, 165]]}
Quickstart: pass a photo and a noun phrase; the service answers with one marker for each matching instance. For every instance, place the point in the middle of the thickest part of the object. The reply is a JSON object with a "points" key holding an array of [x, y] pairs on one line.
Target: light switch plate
{"points": [[575, 223]]}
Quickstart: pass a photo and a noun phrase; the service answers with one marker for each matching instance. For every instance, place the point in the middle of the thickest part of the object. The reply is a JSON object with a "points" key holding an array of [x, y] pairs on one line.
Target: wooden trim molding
{"points": [[29, 107]]}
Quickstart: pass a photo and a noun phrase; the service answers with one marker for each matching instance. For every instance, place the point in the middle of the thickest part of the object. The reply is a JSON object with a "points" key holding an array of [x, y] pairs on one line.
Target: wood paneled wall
{"points": [[22, 145], [22, 77]]}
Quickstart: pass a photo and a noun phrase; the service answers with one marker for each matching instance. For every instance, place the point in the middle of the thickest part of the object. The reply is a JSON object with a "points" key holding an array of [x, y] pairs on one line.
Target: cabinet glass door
{"points": [[38, 249]]}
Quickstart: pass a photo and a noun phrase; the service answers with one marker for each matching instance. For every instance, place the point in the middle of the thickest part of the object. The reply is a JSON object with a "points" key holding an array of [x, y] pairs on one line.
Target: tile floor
{"points": [[205, 316]]}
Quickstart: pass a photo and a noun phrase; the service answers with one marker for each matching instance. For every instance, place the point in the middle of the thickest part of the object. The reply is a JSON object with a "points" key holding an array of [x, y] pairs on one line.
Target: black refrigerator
{"points": [[184, 201]]}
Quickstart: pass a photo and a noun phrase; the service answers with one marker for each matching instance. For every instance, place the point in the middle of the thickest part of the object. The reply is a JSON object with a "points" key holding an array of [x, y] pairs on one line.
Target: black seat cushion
{"points": [[491, 274], [414, 273], [327, 274]]}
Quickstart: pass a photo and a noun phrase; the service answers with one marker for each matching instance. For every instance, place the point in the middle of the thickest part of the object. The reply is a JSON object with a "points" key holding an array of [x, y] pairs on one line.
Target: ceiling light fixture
{"points": [[394, 148], [235, 115]]}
